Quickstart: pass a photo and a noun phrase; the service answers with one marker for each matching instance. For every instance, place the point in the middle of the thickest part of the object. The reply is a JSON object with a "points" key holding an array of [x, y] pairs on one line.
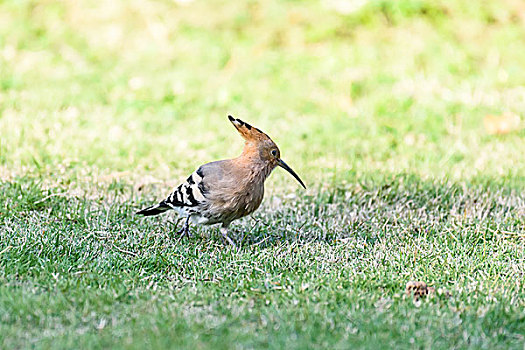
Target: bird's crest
{"points": [[248, 132]]}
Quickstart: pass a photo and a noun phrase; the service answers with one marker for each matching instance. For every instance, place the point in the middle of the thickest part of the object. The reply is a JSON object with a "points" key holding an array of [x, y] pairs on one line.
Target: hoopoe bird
{"points": [[226, 190]]}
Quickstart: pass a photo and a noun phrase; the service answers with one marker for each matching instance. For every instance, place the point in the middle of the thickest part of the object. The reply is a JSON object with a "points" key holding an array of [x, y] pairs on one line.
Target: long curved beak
{"points": [[285, 166]]}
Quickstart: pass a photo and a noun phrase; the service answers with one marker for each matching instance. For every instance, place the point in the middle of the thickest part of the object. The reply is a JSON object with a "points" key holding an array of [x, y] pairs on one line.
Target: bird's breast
{"points": [[251, 199], [235, 203]]}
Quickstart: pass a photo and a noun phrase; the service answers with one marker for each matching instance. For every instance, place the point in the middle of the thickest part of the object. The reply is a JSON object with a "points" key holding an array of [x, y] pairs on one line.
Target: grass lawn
{"points": [[389, 111]]}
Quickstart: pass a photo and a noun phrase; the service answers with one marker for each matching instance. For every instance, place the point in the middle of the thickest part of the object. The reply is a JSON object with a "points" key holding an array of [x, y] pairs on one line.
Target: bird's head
{"points": [[262, 146]]}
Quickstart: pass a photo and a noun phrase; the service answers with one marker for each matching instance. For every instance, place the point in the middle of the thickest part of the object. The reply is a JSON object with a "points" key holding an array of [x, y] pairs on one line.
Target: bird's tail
{"points": [[154, 209]]}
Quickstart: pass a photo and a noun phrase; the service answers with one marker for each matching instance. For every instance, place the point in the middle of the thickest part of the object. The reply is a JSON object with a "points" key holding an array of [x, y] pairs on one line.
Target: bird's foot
{"points": [[225, 238], [185, 230], [229, 240]]}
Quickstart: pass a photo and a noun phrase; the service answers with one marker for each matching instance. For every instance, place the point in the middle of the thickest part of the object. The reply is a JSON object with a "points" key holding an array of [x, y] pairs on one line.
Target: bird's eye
{"points": [[274, 152]]}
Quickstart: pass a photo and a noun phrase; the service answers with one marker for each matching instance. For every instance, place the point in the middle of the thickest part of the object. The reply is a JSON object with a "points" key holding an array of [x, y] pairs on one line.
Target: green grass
{"points": [[319, 270], [105, 106]]}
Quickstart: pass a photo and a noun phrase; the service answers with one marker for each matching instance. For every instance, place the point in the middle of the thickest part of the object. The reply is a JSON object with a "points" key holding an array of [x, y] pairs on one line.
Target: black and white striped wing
{"points": [[188, 194], [186, 197]]}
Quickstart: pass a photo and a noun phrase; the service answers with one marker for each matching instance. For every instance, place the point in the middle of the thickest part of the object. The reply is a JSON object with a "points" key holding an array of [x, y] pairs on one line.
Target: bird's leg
{"points": [[224, 232], [185, 230], [176, 224]]}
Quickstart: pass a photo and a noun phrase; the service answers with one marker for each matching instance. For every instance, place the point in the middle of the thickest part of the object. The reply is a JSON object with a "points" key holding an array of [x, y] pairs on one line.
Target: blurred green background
{"points": [[345, 88]]}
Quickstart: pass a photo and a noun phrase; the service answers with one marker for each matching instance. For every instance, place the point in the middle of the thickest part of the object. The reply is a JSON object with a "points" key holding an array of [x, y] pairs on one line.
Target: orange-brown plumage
{"points": [[226, 190]]}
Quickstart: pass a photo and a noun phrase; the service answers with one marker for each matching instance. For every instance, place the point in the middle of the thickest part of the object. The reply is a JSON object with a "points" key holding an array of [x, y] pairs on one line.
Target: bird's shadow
{"points": [[261, 235]]}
